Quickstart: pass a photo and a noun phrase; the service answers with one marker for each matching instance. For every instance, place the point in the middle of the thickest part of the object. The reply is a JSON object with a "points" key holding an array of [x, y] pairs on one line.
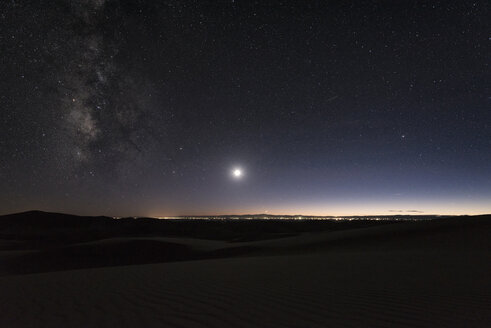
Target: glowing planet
{"points": [[237, 173]]}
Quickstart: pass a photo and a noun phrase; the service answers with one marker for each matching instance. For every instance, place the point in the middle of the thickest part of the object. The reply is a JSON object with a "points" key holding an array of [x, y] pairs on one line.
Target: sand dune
{"points": [[349, 289], [399, 275]]}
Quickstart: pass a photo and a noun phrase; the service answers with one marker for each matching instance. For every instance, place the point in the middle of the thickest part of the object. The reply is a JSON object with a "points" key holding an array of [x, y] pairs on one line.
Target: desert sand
{"points": [[412, 274]]}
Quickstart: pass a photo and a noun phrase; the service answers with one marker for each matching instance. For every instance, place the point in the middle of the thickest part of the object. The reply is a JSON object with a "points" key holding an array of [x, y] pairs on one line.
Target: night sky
{"points": [[327, 108]]}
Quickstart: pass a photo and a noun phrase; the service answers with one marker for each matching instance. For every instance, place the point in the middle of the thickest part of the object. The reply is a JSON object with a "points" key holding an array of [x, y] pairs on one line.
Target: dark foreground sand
{"points": [[423, 274]]}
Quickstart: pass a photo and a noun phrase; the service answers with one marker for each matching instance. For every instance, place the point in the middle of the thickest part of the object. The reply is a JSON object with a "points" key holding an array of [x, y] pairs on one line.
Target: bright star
{"points": [[237, 173]]}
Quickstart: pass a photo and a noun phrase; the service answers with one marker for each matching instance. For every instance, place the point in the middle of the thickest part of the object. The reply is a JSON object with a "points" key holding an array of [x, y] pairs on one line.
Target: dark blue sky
{"points": [[330, 108]]}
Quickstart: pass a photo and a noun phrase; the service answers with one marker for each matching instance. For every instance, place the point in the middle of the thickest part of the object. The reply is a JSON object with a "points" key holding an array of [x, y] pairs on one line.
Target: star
{"points": [[237, 173]]}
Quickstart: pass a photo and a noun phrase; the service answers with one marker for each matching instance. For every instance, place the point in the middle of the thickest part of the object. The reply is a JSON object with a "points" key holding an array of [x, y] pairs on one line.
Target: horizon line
{"points": [[255, 214]]}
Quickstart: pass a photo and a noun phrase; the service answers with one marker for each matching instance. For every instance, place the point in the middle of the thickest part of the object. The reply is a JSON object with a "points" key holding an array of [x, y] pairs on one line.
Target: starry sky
{"points": [[327, 107]]}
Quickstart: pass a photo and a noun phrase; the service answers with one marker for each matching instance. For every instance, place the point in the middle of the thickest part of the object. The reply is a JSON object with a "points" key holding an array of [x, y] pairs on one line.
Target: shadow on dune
{"points": [[110, 254], [95, 255]]}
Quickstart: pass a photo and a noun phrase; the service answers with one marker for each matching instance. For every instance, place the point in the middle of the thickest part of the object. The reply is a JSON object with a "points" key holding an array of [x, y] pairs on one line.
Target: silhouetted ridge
{"points": [[40, 219]]}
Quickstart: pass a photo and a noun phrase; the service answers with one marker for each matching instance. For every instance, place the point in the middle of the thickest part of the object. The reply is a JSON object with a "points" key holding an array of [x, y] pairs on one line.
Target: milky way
{"points": [[88, 72]]}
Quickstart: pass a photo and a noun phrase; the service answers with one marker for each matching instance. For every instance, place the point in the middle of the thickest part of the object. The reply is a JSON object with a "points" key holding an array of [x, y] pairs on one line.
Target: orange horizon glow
{"points": [[335, 212], [325, 208]]}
